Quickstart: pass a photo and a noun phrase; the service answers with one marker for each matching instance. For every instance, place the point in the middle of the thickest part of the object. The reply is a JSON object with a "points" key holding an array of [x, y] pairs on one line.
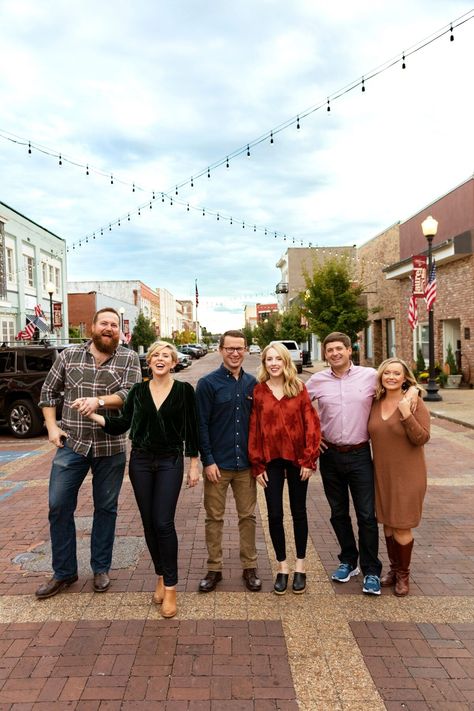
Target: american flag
{"points": [[413, 312], [196, 293], [430, 291]]}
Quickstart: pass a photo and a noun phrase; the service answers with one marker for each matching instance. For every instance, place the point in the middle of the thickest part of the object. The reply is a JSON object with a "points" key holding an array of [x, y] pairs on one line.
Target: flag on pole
{"points": [[196, 292], [412, 312], [430, 291]]}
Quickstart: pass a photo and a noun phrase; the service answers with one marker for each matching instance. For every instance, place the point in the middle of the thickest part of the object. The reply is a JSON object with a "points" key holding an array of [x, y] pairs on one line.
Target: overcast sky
{"points": [[153, 92]]}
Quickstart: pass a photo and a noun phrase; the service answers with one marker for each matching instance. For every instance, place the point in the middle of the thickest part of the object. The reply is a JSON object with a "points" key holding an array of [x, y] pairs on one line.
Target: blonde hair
{"points": [[292, 385], [409, 377], [159, 346]]}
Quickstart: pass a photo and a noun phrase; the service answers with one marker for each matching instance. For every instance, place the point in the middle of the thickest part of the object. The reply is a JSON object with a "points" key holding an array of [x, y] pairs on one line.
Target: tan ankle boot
{"points": [[168, 607], [402, 586], [159, 593], [389, 578]]}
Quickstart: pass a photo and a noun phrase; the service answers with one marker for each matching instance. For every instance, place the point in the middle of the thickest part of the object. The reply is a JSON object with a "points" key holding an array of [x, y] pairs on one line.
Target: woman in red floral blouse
{"points": [[284, 441]]}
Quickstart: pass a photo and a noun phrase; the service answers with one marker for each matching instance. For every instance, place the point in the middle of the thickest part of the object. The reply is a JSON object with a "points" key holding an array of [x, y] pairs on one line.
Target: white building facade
{"points": [[32, 273]]}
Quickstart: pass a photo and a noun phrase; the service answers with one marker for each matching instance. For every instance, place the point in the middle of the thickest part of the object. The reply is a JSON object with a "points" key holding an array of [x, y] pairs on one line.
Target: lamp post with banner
{"points": [[429, 227]]}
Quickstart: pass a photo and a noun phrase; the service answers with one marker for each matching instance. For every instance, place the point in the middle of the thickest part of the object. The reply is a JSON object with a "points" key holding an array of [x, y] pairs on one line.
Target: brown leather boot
{"points": [[168, 607], [403, 554], [159, 593], [387, 580]]}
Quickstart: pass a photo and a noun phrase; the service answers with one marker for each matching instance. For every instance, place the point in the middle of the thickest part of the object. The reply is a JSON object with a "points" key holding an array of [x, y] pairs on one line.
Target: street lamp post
{"points": [[121, 311], [430, 228], [50, 290]]}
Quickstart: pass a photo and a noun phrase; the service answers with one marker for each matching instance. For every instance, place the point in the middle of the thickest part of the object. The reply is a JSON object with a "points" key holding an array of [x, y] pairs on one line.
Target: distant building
{"points": [[250, 315], [264, 311], [32, 273]]}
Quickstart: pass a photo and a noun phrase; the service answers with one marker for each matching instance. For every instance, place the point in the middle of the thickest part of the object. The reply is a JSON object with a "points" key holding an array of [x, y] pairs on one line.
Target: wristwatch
{"points": [[101, 402]]}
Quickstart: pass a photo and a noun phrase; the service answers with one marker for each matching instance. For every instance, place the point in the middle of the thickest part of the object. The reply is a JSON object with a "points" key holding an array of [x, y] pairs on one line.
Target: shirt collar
{"points": [[230, 374], [345, 374]]}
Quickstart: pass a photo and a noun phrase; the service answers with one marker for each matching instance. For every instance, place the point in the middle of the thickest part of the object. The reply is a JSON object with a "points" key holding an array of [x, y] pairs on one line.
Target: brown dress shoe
{"points": [[252, 582], [209, 583], [53, 587], [101, 582]]}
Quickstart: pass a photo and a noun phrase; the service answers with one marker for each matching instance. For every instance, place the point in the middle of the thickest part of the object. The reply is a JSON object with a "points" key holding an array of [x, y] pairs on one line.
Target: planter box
{"points": [[453, 381]]}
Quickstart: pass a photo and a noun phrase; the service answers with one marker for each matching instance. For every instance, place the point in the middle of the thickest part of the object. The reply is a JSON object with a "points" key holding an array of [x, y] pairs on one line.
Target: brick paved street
{"points": [[330, 649]]}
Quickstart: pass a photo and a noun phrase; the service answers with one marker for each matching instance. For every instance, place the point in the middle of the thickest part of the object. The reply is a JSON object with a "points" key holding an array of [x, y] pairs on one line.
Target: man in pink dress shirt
{"points": [[345, 393]]}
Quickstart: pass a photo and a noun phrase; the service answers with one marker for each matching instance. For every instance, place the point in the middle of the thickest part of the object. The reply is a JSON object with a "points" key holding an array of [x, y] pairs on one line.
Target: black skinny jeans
{"points": [[297, 491], [156, 483]]}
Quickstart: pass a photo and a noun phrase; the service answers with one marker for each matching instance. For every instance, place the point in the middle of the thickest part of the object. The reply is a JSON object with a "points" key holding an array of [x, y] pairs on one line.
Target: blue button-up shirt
{"points": [[224, 404]]}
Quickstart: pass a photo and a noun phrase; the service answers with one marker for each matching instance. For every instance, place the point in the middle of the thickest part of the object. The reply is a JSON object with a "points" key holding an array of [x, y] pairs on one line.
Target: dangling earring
{"points": [[405, 385]]}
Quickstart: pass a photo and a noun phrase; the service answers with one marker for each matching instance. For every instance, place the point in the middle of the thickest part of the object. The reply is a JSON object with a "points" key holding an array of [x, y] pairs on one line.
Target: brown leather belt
{"points": [[346, 447]]}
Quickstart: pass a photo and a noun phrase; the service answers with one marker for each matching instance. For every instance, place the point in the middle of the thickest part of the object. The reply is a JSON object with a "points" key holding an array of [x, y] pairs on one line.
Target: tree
{"points": [[144, 332], [266, 331], [185, 336], [290, 326], [331, 300], [74, 333], [249, 334]]}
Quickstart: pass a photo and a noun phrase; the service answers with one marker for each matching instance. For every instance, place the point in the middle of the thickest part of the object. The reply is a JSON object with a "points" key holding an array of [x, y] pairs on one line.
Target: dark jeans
{"points": [[341, 473], [297, 490], [67, 474], [157, 482]]}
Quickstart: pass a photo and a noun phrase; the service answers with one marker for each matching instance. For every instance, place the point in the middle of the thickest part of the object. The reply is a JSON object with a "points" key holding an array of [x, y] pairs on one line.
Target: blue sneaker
{"points": [[371, 585], [344, 573]]}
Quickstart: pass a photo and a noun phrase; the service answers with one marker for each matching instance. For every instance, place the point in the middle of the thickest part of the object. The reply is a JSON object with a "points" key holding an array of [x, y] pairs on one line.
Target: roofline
{"points": [[430, 204], [32, 221]]}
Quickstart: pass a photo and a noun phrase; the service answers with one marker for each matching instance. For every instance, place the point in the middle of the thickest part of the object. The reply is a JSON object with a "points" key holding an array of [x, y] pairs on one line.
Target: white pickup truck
{"points": [[295, 353]]}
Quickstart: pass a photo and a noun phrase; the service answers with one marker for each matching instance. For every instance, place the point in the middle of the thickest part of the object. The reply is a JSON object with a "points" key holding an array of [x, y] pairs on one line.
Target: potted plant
{"points": [[453, 377]]}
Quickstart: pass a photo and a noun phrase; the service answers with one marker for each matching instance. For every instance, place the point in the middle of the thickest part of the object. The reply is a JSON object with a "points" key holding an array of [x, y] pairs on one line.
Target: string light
{"points": [[451, 36], [329, 106], [403, 61], [363, 84], [298, 122]]}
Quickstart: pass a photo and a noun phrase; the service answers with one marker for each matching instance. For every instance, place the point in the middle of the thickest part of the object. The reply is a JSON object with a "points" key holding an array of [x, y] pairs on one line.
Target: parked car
{"points": [[192, 350], [255, 349], [295, 352], [23, 369]]}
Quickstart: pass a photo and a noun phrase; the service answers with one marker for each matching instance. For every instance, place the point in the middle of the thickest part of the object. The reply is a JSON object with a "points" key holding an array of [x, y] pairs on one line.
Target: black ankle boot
{"points": [[281, 583]]}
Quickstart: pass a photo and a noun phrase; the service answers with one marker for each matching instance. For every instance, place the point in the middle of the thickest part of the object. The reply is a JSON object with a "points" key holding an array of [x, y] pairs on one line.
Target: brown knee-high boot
{"points": [[389, 578], [403, 568]]}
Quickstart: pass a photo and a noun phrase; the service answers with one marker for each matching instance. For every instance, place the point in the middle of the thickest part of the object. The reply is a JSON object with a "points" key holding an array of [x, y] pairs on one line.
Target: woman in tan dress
{"points": [[397, 437]]}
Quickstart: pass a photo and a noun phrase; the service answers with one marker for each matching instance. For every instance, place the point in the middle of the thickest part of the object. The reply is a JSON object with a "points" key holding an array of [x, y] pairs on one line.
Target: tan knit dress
{"points": [[399, 464]]}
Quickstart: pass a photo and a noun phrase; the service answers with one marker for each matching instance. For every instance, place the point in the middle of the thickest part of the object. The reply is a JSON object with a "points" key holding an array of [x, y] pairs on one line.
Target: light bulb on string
{"points": [[329, 106], [298, 122], [111, 179], [176, 192], [403, 61], [118, 222], [29, 147], [204, 212], [87, 170], [139, 213], [218, 217], [363, 84], [254, 228], [227, 162], [101, 231], [208, 173], [133, 188], [93, 235], [60, 163], [151, 206], [110, 227], [248, 150], [243, 225], [162, 197], [192, 182], [171, 202], [451, 36], [231, 220], [153, 194], [187, 207], [271, 137]]}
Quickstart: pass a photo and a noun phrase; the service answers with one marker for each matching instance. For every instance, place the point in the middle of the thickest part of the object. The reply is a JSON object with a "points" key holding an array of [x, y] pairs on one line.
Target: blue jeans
{"points": [[67, 474], [157, 483], [352, 471]]}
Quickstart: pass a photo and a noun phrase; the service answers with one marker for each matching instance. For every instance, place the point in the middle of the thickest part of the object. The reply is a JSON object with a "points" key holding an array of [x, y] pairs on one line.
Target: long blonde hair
{"points": [[292, 385], [409, 377]]}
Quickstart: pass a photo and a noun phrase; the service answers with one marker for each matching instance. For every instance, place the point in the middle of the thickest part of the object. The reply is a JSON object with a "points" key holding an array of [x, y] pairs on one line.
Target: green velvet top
{"points": [[171, 429]]}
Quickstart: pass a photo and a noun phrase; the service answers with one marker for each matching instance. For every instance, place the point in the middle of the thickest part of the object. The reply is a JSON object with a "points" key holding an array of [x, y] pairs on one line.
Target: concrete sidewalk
{"points": [[331, 649]]}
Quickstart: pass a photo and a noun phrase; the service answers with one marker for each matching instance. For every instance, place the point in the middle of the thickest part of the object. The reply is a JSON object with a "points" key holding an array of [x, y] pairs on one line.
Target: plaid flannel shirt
{"points": [[75, 374]]}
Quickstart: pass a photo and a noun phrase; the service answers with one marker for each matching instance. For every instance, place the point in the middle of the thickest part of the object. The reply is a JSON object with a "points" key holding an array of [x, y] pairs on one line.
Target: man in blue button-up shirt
{"points": [[224, 400]]}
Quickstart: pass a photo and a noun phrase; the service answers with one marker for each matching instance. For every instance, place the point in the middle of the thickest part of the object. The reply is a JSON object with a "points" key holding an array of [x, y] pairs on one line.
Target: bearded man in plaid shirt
{"points": [[93, 377]]}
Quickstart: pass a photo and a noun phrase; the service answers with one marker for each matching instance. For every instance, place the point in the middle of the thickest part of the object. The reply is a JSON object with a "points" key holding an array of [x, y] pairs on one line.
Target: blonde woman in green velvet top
{"points": [[161, 416]]}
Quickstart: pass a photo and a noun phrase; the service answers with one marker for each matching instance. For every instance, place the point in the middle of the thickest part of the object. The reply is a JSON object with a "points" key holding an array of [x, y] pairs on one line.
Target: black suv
{"points": [[23, 370]]}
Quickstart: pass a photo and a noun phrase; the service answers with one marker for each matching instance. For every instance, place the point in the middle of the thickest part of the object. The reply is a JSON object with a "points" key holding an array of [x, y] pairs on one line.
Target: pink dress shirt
{"points": [[344, 403]]}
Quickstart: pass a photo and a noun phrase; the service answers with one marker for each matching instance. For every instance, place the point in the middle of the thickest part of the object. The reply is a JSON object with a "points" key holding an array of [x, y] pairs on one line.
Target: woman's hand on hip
{"points": [[262, 479]]}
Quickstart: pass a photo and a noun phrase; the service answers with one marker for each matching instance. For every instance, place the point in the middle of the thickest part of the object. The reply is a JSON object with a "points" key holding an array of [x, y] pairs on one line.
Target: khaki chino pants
{"points": [[245, 495]]}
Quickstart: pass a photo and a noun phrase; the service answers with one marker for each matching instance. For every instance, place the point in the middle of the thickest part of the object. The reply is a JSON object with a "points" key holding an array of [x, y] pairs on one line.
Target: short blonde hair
{"points": [[159, 346], [407, 372], [292, 385]]}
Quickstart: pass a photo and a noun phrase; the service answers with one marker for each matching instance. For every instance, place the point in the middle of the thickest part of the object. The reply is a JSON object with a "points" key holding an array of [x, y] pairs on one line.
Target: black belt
{"points": [[346, 447]]}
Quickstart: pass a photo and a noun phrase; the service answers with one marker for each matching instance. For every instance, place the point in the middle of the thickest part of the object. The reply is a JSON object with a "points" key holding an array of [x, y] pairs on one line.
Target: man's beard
{"points": [[103, 347]]}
